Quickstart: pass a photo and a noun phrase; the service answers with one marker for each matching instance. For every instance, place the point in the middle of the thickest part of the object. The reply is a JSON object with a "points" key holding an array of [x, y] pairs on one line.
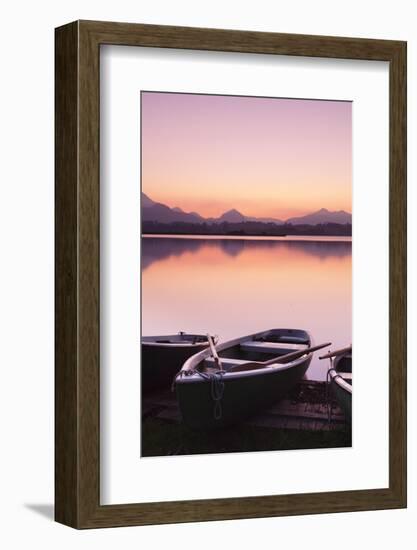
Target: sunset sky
{"points": [[263, 156]]}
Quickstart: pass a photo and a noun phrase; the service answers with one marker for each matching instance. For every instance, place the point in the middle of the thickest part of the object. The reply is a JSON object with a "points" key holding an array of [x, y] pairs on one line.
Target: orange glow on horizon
{"points": [[285, 203]]}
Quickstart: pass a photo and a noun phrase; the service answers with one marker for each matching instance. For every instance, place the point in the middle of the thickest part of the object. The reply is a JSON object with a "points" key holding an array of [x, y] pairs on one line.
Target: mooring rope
{"points": [[216, 389], [328, 398]]}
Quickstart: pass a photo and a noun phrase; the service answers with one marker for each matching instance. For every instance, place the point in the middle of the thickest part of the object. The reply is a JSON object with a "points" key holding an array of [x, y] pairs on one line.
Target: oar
{"points": [[253, 365], [214, 352], [336, 352]]}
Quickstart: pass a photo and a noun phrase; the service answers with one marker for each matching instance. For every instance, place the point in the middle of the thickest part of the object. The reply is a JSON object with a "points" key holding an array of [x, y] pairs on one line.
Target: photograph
{"points": [[246, 273]]}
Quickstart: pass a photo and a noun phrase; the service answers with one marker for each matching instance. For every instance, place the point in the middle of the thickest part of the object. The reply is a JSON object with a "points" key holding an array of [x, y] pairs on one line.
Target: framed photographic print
{"points": [[230, 249]]}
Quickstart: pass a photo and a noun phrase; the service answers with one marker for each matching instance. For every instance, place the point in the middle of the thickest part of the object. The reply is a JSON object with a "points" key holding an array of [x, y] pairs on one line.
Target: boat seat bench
{"points": [[229, 362], [284, 340], [269, 347]]}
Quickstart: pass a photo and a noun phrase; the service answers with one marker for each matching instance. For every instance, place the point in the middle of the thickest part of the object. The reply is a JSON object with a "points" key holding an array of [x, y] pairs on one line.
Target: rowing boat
{"points": [[221, 387], [163, 356], [341, 382], [340, 378]]}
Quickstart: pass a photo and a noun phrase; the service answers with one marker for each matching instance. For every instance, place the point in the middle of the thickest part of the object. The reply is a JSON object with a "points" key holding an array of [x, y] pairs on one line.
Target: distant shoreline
{"points": [[245, 229], [231, 234], [323, 238]]}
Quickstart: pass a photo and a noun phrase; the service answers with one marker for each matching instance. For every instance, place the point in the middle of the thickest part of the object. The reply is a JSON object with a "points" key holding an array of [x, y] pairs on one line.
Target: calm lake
{"points": [[232, 286]]}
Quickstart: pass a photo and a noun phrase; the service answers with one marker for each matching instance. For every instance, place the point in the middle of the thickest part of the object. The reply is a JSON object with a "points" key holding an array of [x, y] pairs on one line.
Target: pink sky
{"points": [[262, 156]]}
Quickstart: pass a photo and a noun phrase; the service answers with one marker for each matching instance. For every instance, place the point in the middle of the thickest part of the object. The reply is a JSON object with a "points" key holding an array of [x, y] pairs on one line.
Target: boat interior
{"points": [[344, 363], [255, 349], [180, 338], [343, 367]]}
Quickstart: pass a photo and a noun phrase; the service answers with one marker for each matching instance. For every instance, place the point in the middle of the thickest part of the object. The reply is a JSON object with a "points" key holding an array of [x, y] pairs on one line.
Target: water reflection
{"points": [[233, 287], [156, 249]]}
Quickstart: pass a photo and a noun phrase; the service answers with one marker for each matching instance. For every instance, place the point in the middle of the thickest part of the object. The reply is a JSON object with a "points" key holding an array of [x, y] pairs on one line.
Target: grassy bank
{"points": [[161, 438]]}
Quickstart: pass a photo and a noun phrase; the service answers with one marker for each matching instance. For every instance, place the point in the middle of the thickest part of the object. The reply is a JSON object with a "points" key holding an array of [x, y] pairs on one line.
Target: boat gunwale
{"points": [[179, 343], [335, 374], [338, 379], [175, 344]]}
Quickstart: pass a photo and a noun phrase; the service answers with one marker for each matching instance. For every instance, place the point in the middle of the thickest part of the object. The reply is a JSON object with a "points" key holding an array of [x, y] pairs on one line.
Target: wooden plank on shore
{"points": [[170, 414], [268, 421], [319, 413], [286, 414]]}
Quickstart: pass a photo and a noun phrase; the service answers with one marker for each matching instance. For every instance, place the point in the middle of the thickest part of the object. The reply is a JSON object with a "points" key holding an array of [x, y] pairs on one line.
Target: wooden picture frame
{"points": [[77, 405]]}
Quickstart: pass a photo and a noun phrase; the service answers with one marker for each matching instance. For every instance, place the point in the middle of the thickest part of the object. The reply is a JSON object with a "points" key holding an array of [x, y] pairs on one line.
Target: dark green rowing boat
{"points": [[339, 378], [163, 356], [223, 386], [341, 382]]}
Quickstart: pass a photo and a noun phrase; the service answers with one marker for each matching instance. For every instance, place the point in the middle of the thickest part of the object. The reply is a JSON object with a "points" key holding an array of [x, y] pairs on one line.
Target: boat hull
{"points": [[160, 363], [344, 399], [242, 397]]}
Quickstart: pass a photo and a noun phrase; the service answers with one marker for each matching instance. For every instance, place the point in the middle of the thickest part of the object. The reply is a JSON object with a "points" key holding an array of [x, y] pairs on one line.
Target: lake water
{"points": [[232, 286]]}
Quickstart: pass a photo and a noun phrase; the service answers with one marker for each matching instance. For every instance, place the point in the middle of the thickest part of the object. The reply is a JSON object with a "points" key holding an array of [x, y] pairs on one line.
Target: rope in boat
{"points": [[217, 390], [215, 379]]}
